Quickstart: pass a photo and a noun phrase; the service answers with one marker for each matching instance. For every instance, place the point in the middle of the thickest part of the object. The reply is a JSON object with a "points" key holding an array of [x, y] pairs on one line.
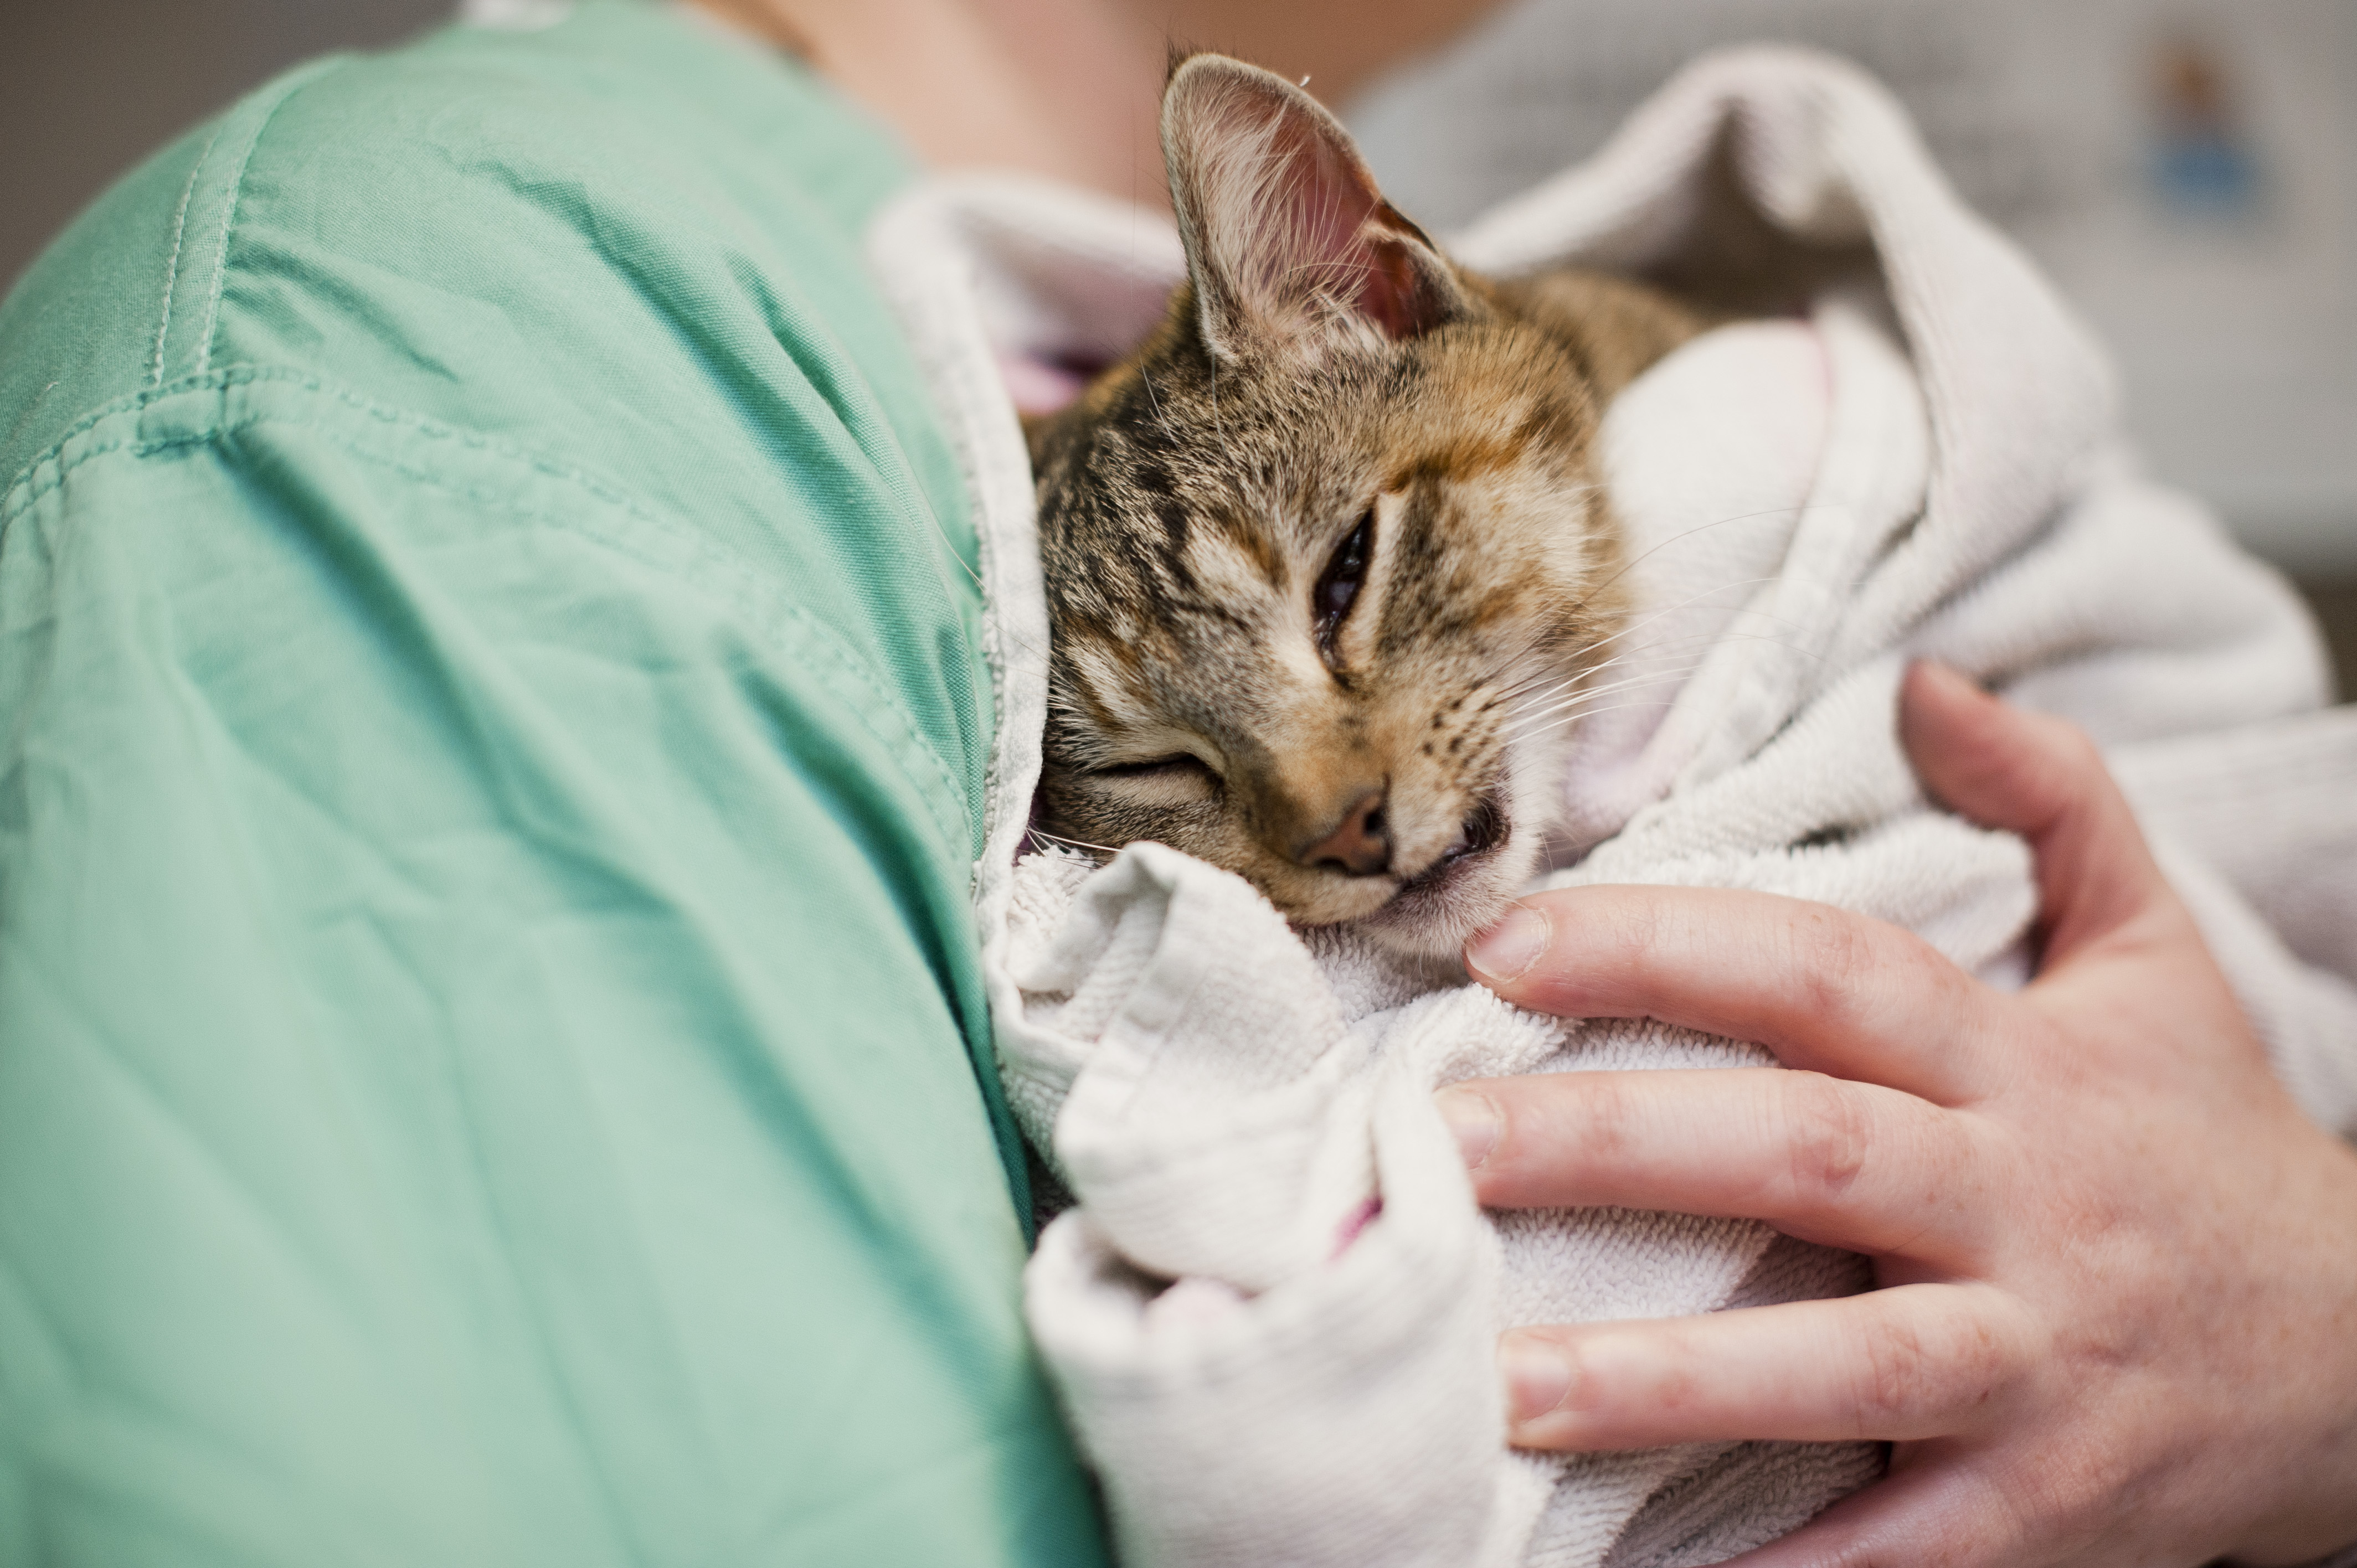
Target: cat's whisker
{"points": [[1664, 637], [1573, 706], [1699, 528], [1671, 647], [1146, 379], [1614, 708], [1586, 692], [1784, 643], [1071, 844], [1673, 609], [1551, 668], [1687, 646], [1521, 689], [1521, 692], [1784, 621], [1532, 702], [1710, 642], [1674, 647], [1589, 694]]}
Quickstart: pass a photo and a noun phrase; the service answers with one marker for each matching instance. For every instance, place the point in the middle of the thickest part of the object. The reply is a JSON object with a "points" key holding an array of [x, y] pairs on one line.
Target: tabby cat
{"points": [[1327, 559]]}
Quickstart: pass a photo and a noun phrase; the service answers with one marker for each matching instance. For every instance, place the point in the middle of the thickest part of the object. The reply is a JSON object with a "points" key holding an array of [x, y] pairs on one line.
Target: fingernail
{"points": [[1538, 1376], [1474, 1118], [1507, 950]]}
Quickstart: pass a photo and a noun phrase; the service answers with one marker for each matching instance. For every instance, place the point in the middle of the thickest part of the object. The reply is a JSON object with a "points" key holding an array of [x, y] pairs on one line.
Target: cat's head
{"points": [[1323, 556]]}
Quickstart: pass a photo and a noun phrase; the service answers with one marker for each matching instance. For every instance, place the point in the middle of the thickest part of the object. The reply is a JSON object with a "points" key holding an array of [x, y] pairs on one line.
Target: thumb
{"points": [[2044, 779]]}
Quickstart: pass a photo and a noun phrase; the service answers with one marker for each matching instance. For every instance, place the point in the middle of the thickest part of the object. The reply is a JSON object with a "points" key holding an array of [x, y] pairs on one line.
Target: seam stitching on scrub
{"points": [[818, 638], [292, 86], [12, 502], [822, 641], [172, 268]]}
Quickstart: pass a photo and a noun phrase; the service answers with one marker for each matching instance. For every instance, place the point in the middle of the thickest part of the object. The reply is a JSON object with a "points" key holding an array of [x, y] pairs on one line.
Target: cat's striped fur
{"points": [[1327, 557]]}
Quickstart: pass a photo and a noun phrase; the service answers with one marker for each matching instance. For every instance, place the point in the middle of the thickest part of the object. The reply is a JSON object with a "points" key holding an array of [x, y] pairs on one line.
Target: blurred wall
{"points": [[88, 88]]}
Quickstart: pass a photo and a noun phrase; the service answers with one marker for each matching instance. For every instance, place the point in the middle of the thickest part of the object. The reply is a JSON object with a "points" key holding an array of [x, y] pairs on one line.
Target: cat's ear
{"points": [[1289, 244]]}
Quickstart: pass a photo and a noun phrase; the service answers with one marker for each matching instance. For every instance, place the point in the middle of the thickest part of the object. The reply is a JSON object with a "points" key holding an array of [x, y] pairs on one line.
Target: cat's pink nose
{"points": [[1362, 847]]}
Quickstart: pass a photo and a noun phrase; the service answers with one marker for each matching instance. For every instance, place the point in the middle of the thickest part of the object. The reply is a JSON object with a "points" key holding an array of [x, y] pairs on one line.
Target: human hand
{"points": [[2117, 1312]]}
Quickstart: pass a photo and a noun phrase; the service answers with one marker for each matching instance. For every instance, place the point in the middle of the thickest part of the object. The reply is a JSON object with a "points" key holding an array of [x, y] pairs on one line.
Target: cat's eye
{"points": [[1160, 764], [1338, 585], [1175, 781], [1181, 768]]}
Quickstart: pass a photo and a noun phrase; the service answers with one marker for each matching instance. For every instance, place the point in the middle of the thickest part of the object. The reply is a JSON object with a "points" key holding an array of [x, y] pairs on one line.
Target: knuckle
{"points": [[2073, 766], [1640, 928], [1829, 1132], [1858, 976], [2075, 749], [1835, 958], [1609, 1118], [1891, 1375], [1980, 1360], [1943, 1364]]}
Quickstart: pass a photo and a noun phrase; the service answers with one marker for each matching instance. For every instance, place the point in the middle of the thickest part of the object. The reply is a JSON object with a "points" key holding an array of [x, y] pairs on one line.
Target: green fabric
{"points": [[491, 736]]}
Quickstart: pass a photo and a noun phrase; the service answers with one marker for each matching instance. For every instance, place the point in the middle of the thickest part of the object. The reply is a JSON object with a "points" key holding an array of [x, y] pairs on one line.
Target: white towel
{"points": [[1923, 461]]}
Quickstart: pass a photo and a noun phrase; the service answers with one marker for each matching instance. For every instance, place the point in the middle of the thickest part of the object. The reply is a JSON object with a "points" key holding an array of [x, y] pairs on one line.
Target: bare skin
{"points": [[2118, 1316], [1071, 88]]}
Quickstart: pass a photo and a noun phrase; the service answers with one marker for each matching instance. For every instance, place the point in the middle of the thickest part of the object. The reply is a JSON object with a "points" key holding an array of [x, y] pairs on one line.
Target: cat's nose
{"points": [[1362, 847]]}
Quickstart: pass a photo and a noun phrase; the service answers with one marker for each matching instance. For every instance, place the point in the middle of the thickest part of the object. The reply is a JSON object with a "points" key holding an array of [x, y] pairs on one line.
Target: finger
{"points": [[1850, 1165], [1822, 988], [1912, 1362], [2044, 779], [1940, 1513]]}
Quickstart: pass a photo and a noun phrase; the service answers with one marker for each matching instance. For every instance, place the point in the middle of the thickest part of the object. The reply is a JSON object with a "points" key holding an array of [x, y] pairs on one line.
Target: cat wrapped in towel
{"points": [[1385, 581]]}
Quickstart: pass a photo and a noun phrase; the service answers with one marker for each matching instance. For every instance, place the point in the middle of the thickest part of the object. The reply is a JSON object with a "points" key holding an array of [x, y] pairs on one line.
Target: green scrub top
{"points": [[492, 1064]]}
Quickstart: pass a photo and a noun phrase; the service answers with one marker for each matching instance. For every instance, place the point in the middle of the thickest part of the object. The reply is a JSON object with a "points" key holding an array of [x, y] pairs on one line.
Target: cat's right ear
{"points": [[1290, 246]]}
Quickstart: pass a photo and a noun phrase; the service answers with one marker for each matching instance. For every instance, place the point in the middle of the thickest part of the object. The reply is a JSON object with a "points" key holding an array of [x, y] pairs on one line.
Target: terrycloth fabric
{"points": [[2257, 826], [1923, 460]]}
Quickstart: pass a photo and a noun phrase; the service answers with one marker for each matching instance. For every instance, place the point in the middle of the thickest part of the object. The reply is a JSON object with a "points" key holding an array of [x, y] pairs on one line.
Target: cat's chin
{"points": [[1436, 913]]}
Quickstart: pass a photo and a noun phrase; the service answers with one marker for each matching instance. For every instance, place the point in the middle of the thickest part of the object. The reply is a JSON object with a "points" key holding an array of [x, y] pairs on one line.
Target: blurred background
{"points": [[2186, 169]]}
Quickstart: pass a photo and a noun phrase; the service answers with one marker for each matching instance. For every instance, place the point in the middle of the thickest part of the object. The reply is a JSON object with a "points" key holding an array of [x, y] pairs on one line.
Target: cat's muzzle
{"points": [[1465, 887], [1485, 828]]}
